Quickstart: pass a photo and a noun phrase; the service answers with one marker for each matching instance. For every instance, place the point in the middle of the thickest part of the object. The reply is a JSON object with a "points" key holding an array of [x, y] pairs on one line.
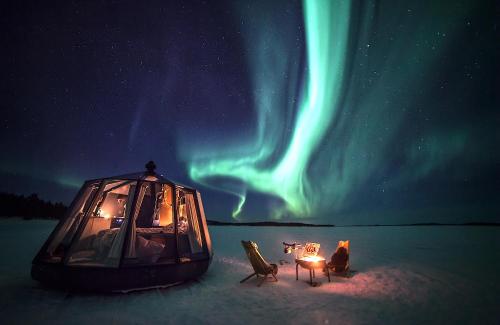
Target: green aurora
{"points": [[351, 104]]}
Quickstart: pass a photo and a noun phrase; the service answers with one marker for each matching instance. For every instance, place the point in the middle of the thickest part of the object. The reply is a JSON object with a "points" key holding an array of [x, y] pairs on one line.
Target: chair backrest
{"points": [[345, 244], [259, 264]]}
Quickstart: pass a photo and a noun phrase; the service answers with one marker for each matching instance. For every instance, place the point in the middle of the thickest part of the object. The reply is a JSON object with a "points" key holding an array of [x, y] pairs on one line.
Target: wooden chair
{"points": [[260, 266], [340, 259]]}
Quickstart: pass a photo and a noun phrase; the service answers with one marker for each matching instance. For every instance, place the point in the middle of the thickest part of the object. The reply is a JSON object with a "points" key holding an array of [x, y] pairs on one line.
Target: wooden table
{"points": [[311, 263]]}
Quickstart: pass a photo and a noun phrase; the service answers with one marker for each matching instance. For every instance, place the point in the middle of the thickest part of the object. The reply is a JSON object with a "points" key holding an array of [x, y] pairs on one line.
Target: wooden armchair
{"points": [[260, 266]]}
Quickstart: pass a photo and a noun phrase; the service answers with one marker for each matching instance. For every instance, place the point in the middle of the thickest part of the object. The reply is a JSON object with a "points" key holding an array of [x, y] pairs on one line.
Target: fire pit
{"points": [[310, 261]]}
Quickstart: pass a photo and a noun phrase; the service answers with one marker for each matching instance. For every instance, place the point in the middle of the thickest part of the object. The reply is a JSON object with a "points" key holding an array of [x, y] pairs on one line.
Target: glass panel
{"points": [[164, 212], [189, 236], [152, 238], [194, 227], [207, 244], [100, 241], [62, 239]]}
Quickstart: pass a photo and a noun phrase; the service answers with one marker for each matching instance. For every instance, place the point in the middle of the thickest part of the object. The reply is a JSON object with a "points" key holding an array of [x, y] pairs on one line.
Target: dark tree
{"points": [[29, 207]]}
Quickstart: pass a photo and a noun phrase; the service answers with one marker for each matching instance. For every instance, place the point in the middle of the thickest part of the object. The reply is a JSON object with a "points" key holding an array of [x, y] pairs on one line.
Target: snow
{"points": [[405, 275]]}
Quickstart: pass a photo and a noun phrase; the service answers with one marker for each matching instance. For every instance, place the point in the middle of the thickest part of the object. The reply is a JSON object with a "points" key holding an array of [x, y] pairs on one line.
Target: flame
{"points": [[103, 214], [312, 258]]}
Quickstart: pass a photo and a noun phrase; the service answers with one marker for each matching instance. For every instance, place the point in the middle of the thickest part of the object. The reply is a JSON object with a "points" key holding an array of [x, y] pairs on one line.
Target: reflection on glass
{"points": [[100, 242], [62, 239], [152, 238]]}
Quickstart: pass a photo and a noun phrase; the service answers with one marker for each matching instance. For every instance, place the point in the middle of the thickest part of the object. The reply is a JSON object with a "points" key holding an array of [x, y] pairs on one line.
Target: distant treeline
{"points": [[265, 224], [29, 207]]}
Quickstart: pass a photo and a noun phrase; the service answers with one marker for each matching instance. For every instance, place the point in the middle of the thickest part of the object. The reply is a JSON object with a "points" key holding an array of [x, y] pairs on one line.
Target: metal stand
{"points": [[311, 267]]}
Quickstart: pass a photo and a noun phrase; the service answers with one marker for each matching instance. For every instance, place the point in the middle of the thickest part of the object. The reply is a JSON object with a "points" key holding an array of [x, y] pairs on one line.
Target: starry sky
{"points": [[345, 112]]}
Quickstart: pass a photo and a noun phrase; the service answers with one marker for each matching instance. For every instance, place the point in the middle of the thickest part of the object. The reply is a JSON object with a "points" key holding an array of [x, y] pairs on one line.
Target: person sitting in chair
{"points": [[340, 259]]}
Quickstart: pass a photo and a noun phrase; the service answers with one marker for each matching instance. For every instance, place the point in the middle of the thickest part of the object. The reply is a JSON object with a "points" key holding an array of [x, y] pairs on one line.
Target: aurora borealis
{"points": [[346, 120], [326, 39], [336, 111]]}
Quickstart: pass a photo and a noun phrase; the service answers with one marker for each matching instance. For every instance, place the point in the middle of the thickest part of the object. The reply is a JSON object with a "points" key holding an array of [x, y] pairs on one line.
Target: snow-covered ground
{"points": [[405, 275]]}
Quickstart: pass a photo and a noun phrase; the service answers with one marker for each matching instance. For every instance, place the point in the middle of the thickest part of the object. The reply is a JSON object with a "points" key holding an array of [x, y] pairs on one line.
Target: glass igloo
{"points": [[127, 232]]}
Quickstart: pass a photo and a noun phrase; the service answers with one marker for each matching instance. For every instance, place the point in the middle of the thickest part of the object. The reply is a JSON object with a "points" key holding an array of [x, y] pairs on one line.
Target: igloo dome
{"points": [[127, 232]]}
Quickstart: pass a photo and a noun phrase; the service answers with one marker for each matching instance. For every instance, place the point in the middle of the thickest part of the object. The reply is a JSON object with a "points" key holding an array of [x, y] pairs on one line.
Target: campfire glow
{"points": [[312, 258]]}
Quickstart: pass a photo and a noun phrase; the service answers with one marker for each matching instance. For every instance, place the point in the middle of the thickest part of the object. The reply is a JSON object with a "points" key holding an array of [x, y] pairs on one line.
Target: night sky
{"points": [[317, 111]]}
